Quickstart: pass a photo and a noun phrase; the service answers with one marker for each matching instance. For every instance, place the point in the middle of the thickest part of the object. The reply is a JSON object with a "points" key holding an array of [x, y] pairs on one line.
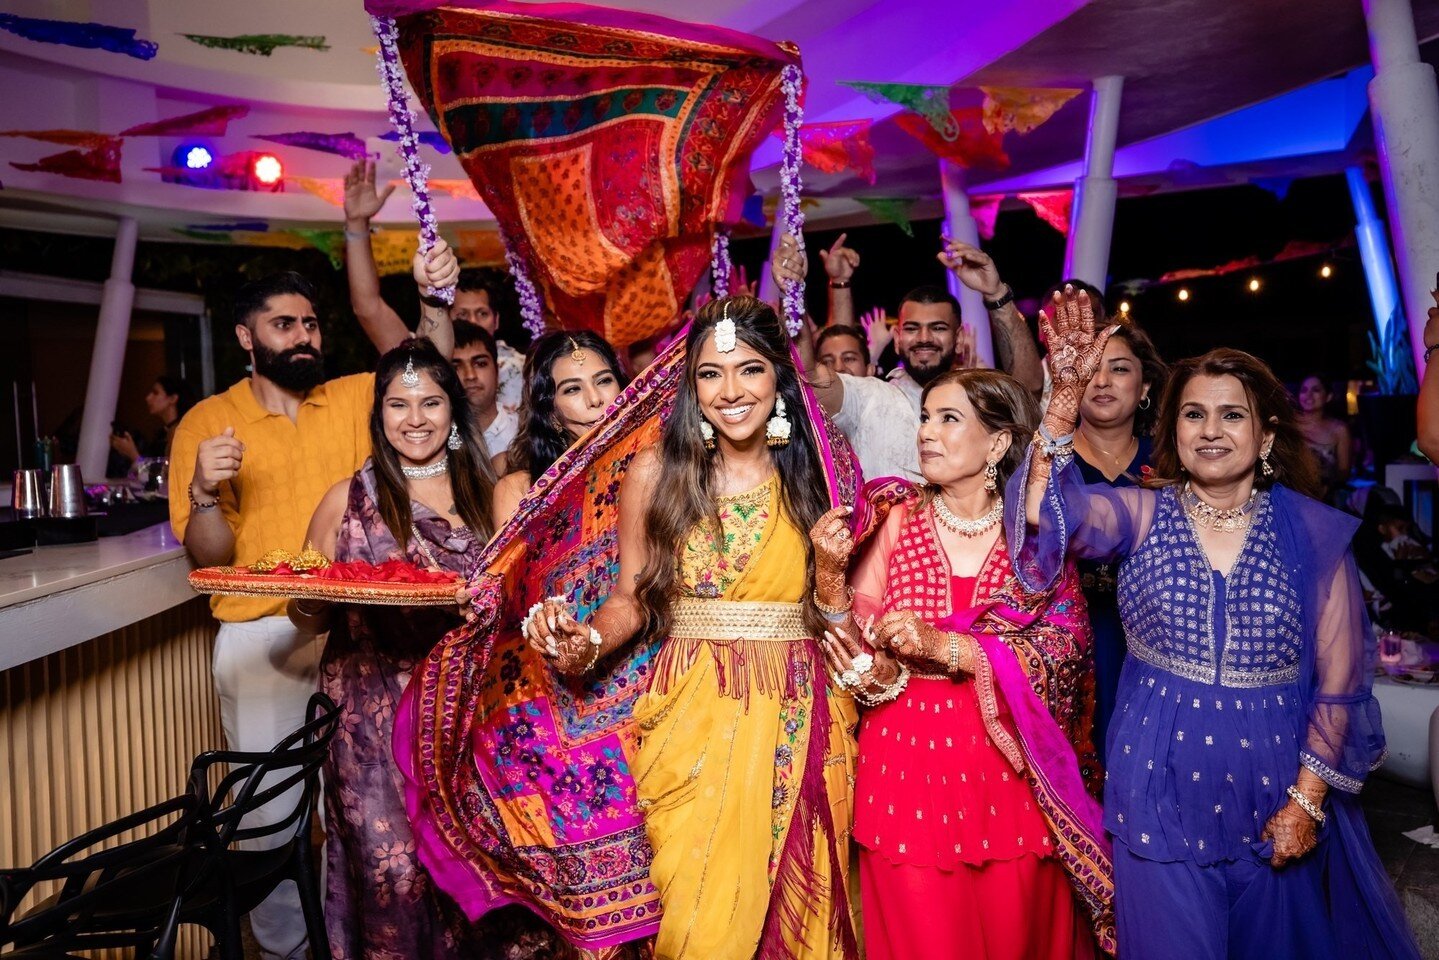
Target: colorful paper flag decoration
{"points": [[429, 138], [261, 44], [608, 193], [101, 163], [342, 144], [843, 145], [1052, 206], [394, 250], [895, 210], [86, 139], [330, 191], [212, 122], [88, 36], [972, 147], [985, 211], [329, 242], [1021, 109], [930, 102], [479, 248], [459, 189]]}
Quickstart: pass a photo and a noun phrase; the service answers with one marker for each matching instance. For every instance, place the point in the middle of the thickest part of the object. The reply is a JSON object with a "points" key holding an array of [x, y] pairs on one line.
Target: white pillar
{"points": [[108, 360], [1091, 220], [959, 224], [768, 292], [1373, 251], [1404, 105]]}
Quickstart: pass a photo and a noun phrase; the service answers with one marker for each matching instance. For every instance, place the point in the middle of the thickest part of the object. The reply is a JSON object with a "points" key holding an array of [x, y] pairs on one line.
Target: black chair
{"points": [[96, 906], [243, 878]]}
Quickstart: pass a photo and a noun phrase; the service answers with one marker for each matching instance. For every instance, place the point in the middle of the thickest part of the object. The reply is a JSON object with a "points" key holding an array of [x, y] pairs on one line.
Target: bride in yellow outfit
{"points": [[746, 754]]}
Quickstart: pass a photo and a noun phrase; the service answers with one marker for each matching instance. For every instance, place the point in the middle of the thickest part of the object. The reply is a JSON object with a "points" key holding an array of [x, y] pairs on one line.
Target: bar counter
{"points": [[105, 688]]}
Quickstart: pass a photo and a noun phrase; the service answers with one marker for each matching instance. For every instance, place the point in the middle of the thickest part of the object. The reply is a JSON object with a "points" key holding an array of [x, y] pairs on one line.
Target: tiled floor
{"points": [[1392, 809]]}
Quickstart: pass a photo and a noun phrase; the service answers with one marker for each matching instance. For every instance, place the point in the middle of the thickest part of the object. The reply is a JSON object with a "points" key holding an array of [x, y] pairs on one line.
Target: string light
{"points": [[1183, 294], [1254, 284], [1326, 271], [1124, 306]]}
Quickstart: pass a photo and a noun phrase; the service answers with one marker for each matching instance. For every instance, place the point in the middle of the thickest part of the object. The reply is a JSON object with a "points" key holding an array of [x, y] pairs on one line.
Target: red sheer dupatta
{"points": [[1032, 652]]}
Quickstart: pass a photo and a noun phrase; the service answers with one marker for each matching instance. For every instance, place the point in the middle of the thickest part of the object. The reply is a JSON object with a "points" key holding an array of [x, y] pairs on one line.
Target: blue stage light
{"points": [[195, 156]]}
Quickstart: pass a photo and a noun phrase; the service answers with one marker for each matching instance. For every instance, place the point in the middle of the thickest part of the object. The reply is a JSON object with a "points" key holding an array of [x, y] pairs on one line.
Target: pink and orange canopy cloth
{"points": [[609, 145]]}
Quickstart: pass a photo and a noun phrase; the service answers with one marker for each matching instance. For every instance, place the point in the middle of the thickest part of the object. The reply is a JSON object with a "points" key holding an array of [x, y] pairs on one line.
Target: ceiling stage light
{"points": [[1124, 306], [268, 169], [1326, 271], [196, 156], [1183, 294], [1253, 284]]}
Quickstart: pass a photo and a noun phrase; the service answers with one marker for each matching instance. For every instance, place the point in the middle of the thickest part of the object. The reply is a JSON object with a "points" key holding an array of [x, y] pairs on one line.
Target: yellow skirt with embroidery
{"points": [[721, 771]]}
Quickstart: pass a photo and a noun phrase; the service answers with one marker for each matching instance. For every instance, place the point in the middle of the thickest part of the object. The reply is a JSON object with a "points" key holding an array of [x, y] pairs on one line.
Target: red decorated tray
{"points": [[392, 583]]}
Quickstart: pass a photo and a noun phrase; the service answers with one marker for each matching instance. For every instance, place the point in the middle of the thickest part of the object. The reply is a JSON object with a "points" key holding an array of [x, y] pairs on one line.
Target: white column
{"points": [[768, 291], [959, 224], [1373, 251], [108, 360], [1091, 220], [1404, 105]]}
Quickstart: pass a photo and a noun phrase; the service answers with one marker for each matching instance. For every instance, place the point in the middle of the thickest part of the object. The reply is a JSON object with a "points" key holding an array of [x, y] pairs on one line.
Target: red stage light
{"points": [[268, 169]]}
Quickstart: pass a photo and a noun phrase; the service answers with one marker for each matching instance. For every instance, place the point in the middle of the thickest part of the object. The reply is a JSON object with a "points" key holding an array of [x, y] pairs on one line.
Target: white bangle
{"points": [[889, 693], [1306, 805]]}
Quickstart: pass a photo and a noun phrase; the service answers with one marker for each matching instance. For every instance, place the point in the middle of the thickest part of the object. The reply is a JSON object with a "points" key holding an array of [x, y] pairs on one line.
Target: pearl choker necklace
{"points": [[948, 519], [1223, 521], [429, 470]]}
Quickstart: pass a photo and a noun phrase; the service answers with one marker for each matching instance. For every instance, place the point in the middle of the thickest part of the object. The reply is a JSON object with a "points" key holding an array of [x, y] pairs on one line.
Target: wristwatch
{"points": [[1006, 297]]}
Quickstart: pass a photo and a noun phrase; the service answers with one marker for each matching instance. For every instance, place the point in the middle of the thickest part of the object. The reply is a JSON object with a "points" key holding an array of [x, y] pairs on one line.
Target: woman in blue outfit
{"points": [[1245, 723], [1112, 445]]}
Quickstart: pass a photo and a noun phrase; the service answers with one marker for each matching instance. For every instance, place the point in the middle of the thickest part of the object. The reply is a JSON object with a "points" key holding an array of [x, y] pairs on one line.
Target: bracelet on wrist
{"points": [[885, 694], [200, 506], [1051, 446], [835, 614], [1307, 805], [839, 284], [954, 653], [1004, 299], [1428, 349]]}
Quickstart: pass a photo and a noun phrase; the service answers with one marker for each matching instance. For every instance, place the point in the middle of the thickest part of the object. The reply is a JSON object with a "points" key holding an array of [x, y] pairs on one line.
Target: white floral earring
{"points": [[454, 442], [708, 433], [776, 431]]}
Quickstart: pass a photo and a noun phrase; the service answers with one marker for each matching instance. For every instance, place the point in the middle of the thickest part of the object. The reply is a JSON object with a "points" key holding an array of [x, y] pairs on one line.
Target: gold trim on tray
{"points": [[238, 582]]}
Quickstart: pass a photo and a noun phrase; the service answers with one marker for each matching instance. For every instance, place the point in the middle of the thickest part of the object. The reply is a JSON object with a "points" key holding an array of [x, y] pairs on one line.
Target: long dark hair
{"points": [[1290, 459], [472, 479], [1001, 403], [1152, 370], [686, 476], [539, 439], [180, 389]]}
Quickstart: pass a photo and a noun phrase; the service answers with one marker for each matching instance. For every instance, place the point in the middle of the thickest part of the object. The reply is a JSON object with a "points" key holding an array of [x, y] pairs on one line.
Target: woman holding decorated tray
{"points": [[570, 379], [977, 834], [692, 782], [424, 497], [1245, 723]]}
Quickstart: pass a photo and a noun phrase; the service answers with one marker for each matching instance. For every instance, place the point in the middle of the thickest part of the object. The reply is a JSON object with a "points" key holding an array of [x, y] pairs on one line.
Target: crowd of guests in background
{"points": [[1086, 560]]}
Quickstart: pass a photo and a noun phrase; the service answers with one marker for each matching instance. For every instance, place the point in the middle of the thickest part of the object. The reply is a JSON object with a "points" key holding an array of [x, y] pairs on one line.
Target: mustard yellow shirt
{"points": [[286, 469]]}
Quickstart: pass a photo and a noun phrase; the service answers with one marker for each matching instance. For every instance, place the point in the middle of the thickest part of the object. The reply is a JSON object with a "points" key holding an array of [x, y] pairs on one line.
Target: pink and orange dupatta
{"points": [[517, 780]]}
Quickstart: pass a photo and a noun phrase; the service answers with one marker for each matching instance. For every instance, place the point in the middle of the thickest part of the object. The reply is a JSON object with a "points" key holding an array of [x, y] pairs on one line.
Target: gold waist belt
{"points": [[699, 619]]}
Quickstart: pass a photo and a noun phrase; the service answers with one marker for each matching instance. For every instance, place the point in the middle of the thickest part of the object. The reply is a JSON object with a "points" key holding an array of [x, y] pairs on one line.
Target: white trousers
{"points": [[265, 672]]}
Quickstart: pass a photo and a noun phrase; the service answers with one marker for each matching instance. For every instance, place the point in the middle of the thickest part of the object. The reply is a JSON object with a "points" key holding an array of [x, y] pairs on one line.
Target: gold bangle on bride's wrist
{"points": [[835, 614]]}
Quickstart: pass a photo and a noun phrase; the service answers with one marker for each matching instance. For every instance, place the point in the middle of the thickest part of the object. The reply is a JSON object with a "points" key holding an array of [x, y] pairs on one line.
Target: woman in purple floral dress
{"points": [[429, 479]]}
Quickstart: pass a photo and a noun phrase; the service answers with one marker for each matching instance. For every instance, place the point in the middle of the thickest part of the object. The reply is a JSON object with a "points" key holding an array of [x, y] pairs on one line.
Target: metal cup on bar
{"points": [[67, 491], [27, 496]]}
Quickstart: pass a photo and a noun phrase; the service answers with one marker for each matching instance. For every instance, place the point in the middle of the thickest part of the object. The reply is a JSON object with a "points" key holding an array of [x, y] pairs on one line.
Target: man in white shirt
{"points": [[881, 417], [475, 365]]}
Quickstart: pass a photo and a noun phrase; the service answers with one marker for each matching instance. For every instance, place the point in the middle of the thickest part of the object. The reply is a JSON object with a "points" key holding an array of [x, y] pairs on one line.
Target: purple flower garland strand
{"points": [[790, 214], [720, 264], [402, 118], [532, 312]]}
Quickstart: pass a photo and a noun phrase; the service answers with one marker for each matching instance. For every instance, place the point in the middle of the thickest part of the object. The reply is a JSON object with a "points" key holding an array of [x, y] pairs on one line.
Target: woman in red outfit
{"points": [[977, 835]]}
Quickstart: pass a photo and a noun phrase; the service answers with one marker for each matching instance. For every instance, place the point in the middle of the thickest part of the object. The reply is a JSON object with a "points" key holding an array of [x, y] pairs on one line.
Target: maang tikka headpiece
{"points": [[576, 354], [410, 378], [724, 332]]}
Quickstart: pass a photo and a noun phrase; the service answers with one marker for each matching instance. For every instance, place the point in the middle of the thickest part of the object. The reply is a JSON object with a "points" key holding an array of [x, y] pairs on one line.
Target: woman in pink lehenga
{"points": [[977, 835]]}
